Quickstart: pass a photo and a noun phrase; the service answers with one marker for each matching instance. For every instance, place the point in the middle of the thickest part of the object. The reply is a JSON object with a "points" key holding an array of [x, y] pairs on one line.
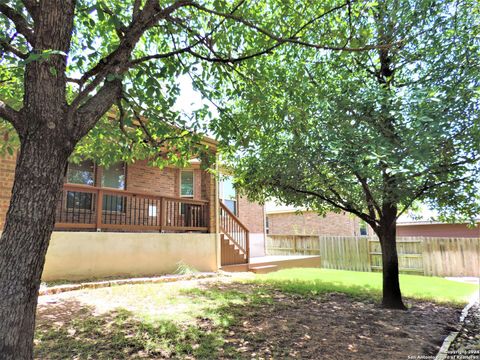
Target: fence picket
{"points": [[422, 255]]}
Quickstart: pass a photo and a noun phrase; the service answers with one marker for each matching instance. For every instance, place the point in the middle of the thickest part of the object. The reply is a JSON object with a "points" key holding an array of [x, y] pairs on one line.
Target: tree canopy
{"points": [[349, 131], [144, 47], [370, 133]]}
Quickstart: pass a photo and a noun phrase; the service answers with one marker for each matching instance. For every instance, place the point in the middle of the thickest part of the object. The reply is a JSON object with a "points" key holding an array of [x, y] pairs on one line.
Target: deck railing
{"points": [[234, 230], [78, 208]]}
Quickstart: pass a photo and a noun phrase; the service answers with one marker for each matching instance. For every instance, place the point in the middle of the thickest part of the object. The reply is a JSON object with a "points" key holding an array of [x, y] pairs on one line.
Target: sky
{"points": [[189, 99]]}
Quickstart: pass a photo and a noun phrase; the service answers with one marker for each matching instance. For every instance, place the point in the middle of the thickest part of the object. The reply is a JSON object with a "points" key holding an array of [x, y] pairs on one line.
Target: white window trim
{"points": [[193, 184]]}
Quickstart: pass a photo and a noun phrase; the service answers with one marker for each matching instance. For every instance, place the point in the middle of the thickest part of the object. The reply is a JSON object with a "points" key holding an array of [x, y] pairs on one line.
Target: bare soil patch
{"points": [[335, 326], [328, 326]]}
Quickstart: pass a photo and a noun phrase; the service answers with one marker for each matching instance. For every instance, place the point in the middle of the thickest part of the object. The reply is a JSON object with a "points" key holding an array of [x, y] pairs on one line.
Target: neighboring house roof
{"points": [[424, 217]]}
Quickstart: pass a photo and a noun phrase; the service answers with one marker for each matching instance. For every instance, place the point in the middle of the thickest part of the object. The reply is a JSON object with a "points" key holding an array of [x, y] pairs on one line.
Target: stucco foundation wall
{"points": [[252, 215], [84, 255], [257, 244]]}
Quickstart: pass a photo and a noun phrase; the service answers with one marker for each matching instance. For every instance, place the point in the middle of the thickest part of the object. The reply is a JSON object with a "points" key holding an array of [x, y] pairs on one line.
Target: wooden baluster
{"points": [[98, 223]]}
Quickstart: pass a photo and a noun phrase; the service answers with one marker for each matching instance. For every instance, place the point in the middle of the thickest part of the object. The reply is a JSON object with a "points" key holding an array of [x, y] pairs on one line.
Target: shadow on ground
{"points": [[246, 321]]}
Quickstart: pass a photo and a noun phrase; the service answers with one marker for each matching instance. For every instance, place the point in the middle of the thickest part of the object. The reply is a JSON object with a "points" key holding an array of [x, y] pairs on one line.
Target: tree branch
{"points": [[136, 9], [293, 40], [424, 189], [7, 46], [137, 61], [371, 221], [371, 203], [32, 7], [87, 115], [11, 115], [21, 24], [116, 62]]}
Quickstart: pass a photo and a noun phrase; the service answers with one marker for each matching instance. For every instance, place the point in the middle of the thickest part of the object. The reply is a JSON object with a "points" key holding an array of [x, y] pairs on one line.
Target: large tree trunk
{"points": [[24, 241], [387, 233], [46, 139]]}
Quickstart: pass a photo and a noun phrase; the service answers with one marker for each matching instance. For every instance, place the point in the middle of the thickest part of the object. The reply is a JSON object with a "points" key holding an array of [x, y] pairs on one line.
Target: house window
{"points": [[114, 177], [186, 183], [228, 195], [79, 200], [267, 225], [84, 174], [363, 228]]}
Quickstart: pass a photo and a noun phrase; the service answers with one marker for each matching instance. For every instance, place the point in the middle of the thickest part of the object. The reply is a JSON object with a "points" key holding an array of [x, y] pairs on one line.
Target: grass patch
{"points": [[366, 284], [120, 335], [185, 269], [145, 321]]}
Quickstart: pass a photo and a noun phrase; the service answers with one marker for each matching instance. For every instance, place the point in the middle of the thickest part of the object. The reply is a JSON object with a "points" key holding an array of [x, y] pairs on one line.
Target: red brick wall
{"points": [[144, 178], [164, 182], [439, 230], [251, 215], [7, 173], [140, 177], [309, 223]]}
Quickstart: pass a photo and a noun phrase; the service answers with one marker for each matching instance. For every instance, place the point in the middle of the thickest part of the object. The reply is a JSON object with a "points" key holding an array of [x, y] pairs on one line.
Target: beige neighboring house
{"points": [[288, 220]]}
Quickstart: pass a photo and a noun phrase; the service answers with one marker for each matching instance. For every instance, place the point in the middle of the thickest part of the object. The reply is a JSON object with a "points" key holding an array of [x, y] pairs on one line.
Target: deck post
{"points": [[248, 246], [162, 213]]}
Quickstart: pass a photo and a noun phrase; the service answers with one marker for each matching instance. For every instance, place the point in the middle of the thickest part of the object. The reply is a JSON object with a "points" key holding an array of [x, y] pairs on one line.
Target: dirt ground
{"points": [[332, 326], [336, 327]]}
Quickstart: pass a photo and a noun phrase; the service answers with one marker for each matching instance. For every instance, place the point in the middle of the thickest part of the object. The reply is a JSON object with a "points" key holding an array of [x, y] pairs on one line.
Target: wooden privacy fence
{"points": [[417, 255]]}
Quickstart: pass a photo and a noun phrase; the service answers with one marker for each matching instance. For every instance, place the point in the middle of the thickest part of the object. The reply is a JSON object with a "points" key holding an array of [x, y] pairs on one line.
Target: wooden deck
{"points": [[83, 207]]}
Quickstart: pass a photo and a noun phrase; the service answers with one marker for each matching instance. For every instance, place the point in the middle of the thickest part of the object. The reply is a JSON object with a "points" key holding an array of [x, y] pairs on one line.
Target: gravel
{"points": [[467, 343]]}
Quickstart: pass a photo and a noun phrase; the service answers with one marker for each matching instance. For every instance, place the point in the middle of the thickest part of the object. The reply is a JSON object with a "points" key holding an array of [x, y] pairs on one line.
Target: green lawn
{"points": [[365, 284]]}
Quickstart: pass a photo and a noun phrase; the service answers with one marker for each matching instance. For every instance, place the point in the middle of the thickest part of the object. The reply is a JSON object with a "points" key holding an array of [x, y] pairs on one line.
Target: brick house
{"points": [[150, 220], [286, 220], [407, 227]]}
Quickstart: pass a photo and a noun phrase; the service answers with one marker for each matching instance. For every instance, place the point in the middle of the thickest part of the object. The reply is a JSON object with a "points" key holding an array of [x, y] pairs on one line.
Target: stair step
{"points": [[234, 246], [263, 269], [235, 268]]}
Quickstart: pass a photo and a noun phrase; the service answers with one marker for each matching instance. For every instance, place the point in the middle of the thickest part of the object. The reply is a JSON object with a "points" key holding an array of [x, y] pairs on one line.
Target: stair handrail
{"points": [[245, 249], [229, 212]]}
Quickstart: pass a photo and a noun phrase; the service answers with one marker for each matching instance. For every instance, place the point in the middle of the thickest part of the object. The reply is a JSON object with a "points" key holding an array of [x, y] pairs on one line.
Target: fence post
{"points": [[369, 259], [295, 244]]}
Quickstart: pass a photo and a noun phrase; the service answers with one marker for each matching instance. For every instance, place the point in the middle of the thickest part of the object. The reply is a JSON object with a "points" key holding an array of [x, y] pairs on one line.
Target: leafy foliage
{"points": [[200, 40], [361, 131]]}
